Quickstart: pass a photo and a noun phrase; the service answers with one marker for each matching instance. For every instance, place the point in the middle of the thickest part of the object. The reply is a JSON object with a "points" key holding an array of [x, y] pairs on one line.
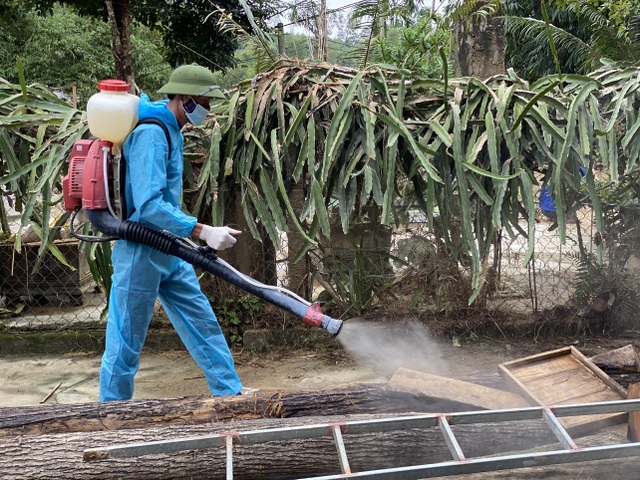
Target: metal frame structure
{"points": [[569, 452]]}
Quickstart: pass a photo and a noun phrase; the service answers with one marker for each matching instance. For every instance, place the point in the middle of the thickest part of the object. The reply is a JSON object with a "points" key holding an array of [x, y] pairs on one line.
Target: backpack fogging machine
{"points": [[94, 184]]}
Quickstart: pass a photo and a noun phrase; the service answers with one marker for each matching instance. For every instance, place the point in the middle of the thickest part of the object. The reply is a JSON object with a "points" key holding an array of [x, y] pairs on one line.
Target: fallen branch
{"points": [[48, 396]]}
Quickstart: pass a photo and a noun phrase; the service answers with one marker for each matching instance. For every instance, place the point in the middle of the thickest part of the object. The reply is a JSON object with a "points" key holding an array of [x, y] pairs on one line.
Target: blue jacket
{"points": [[154, 176]]}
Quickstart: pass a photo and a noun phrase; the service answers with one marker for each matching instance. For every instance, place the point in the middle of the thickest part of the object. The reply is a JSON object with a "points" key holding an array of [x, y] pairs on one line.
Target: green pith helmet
{"points": [[192, 80]]}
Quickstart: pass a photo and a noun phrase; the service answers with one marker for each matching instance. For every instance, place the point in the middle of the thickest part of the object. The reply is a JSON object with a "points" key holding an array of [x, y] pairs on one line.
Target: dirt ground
{"points": [[362, 353], [73, 378]]}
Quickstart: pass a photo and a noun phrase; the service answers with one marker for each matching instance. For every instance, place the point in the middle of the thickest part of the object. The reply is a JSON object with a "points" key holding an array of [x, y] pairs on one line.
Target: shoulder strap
{"points": [[122, 167], [161, 124]]}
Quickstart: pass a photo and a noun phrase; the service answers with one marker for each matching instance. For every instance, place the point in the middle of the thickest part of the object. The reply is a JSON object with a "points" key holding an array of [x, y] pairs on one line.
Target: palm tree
{"points": [[542, 38], [373, 17]]}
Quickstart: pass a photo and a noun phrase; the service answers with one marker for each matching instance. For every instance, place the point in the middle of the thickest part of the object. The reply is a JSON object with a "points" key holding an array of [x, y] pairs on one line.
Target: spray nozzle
{"points": [[315, 317], [331, 325]]}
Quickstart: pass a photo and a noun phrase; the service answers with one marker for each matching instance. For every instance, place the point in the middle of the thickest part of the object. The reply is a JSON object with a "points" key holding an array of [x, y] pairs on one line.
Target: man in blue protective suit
{"points": [[141, 274]]}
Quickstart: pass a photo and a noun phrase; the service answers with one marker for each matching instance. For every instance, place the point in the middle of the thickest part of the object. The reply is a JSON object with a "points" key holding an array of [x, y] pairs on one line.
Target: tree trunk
{"points": [[480, 47], [49, 442], [118, 14], [251, 256], [479, 52], [621, 360], [323, 36], [297, 273], [85, 417], [621, 364], [60, 456]]}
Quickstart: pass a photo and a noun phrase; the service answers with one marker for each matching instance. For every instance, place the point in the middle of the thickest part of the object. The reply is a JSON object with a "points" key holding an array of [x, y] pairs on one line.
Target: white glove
{"points": [[218, 238]]}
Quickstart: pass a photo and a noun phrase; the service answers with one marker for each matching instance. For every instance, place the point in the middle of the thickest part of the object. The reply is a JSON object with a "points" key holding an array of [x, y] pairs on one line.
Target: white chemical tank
{"points": [[113, 112]]}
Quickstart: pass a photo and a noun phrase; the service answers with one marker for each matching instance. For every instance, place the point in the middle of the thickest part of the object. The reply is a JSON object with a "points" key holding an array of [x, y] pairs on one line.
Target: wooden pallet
{"points": [[563, 377]]}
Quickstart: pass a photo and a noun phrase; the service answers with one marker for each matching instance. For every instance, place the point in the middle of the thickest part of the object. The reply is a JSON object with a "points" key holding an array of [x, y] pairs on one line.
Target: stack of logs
{"points": [[48, 442]]}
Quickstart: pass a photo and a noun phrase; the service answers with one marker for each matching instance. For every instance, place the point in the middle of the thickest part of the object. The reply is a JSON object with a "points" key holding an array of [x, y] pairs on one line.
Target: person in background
{"points": [[547, 205], [141, 275]]}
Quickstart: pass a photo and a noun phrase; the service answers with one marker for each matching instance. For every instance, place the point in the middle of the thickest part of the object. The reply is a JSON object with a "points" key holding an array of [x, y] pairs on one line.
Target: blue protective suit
{"points": [[545, 199], [547, 205], [142, 274]]}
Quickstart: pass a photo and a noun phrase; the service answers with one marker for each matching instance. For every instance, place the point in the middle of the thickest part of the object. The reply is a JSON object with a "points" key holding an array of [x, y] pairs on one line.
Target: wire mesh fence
{"points": [[548, 280], [44, 294]]}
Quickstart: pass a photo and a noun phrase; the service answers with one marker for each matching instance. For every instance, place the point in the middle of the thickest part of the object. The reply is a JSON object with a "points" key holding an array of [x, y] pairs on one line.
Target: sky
{"points": [[331, 5]]}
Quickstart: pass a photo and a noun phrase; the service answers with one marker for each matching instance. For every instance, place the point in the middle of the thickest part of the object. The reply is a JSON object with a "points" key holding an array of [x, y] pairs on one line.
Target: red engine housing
{"points": [[84, 185]]}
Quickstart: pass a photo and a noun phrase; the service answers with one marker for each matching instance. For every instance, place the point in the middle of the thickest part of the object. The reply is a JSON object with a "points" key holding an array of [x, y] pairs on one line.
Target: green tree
{"points": [[560, 36], [415, 47], [245, 67], [342, 28], [64, 48], [376, 31], [189, 28], [339, 49], [296, 46], [581, 34], [374, 17], [623, 13]]}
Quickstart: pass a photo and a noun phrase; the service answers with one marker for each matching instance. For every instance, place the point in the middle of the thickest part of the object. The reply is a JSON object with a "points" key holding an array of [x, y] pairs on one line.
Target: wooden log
{"points": [[60, 456], [621, 364], [85, 417], [624, 359], [633, 424], [465, 394], [612, 469], [357, 399]]}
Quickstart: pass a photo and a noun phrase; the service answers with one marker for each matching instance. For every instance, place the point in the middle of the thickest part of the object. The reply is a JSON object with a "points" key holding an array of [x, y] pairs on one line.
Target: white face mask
{"points": [[194, 112]]}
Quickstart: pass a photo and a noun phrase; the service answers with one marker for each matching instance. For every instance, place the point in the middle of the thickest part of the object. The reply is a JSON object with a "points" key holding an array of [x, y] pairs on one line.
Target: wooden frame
{"points": [[562, 377]]}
